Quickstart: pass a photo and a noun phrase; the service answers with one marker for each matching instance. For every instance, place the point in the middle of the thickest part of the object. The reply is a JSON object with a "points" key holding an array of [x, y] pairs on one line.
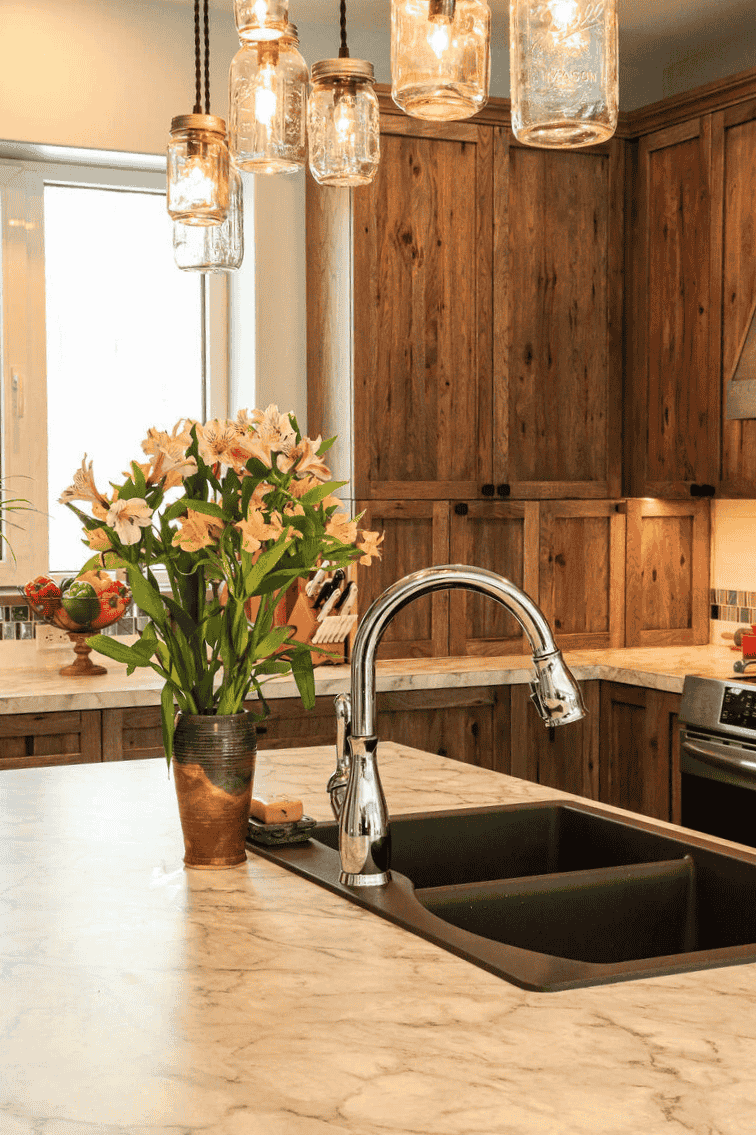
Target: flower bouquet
{"points": [[233, 512]]}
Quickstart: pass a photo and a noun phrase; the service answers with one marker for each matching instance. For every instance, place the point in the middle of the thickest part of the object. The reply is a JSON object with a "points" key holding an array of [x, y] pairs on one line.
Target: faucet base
{"points": [[349, 879]]}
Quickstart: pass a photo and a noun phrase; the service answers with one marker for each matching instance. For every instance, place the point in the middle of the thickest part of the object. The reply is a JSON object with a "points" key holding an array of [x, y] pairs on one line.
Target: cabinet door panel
{"points": [[667, 573], [416, 535], [735, 133], [564, 756], [558, 365], [36, 740], [502, 538], [672, 440], [582, 572], [423, 238], [639, 767], [470, 725]]}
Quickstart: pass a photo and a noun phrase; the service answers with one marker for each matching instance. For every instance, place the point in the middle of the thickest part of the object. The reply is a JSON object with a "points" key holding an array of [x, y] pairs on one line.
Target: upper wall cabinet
{"points": [[464, 317], [558, 320], [673, 413], [734, 246]]}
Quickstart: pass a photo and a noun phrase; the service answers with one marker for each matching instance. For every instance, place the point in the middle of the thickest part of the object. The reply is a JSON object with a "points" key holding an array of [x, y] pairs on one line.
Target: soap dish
{"points": [[298, 831]]}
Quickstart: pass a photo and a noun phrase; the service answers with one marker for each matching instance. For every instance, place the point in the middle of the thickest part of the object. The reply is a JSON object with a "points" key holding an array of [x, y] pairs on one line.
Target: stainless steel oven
{"points": [[718, 757]]}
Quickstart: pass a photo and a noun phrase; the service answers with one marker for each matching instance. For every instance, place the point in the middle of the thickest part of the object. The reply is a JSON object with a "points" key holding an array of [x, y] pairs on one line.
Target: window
{"points": [[102, 337]]}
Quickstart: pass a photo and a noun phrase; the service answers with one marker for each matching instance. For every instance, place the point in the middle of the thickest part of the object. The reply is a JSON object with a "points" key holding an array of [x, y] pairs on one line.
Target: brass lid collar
{"points": [[342, 69], [208, 122]]}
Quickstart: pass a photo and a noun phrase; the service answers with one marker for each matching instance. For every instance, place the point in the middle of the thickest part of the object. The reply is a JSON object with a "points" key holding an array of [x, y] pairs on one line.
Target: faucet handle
{"points": [[554, 691], [337, 784]]}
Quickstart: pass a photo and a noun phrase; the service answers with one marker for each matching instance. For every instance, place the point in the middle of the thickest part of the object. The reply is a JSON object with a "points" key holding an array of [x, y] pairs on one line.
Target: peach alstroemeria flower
{"points": [[170, 462], [255, 530], [180, 435], [197, 531], [304, 460], [83, 487], [369, 544], [342, 528], [98, 540], [128, 517], [224, 442], [276, 430]]}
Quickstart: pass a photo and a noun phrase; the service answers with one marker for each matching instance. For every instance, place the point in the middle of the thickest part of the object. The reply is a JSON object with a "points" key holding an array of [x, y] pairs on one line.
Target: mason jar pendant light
{"points": [[563, 71], [261, 19], [268, 105], [343, 119], [213, 248], [440, 57], [198, 161]]}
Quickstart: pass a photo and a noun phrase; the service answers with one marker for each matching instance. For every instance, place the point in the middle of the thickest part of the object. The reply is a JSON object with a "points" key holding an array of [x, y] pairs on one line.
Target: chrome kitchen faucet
{"points": [[355, 788]]}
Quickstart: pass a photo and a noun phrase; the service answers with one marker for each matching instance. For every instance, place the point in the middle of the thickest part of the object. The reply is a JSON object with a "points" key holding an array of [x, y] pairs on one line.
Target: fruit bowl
{"points": [[81, 607]]}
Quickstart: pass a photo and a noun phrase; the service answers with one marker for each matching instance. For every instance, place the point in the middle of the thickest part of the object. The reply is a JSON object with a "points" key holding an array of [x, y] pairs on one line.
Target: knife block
{"points": [[304, 618]]}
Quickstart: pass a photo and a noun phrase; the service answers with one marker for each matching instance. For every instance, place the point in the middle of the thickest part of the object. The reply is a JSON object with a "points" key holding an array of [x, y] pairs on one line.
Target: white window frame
{"points": [[24, 171]]}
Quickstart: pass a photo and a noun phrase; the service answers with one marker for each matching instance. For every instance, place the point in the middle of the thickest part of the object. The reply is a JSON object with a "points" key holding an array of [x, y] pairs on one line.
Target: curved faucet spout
{"points": [[560, 699], [364, 842]]}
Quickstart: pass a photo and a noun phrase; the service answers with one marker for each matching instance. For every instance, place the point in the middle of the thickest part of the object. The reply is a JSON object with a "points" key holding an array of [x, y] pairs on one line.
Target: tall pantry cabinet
{"points": [[465, 343]]}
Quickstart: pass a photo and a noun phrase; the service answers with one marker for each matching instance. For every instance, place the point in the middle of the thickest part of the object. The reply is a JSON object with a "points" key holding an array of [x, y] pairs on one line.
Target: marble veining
{"points": [[31, 687], [139, 998]]}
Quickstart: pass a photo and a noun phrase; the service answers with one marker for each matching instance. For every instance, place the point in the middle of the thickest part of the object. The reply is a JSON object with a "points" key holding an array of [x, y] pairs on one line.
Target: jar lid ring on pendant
{"points": [[209, 122], [342, 69]]}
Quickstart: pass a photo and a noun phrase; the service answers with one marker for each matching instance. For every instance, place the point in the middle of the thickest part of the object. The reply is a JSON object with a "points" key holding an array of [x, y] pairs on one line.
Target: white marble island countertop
{"points": [[138, 998], [30, 682]]}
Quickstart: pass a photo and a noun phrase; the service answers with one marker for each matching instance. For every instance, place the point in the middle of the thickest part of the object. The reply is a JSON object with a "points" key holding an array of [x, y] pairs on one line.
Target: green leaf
{"points": [[166, 721], [118, 651], [301, 668], [314, 496], [146, 597], [255, 574], [326, 445], [208, 508], [270, 644]]}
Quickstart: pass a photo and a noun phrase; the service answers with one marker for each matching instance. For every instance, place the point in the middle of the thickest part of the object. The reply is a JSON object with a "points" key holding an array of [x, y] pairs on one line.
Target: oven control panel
{"points": [[738, 707]]}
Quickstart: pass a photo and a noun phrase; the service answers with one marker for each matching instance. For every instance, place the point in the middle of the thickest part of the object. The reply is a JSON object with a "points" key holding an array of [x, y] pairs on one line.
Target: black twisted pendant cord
{"points": [[343, 50], [207, 58], [197, 61]]}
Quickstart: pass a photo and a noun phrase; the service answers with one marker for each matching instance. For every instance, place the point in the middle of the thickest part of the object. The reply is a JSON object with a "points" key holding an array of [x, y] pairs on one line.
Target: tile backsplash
{"points": [[733, 566], [18, 621]]}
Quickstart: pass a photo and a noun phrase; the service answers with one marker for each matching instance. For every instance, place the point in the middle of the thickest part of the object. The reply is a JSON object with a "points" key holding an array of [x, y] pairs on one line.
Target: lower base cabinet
{"points": [[624, 752]]}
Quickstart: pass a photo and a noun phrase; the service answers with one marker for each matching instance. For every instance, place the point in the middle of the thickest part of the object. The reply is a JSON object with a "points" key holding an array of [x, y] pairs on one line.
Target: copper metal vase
{"points": [[213, 770]]}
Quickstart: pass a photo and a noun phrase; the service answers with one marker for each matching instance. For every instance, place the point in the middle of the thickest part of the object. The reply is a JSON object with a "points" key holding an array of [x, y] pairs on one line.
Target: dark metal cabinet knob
{"points": [[461, 509], [487, 490], [503, 490]]}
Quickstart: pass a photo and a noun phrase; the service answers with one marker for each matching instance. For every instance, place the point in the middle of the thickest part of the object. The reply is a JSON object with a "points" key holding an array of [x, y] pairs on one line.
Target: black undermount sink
{"points": [[554, 896]]}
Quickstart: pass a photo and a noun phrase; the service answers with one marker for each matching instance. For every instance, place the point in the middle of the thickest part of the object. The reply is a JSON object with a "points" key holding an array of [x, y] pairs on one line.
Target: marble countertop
{"points": [[139, 998], [30, 682]]}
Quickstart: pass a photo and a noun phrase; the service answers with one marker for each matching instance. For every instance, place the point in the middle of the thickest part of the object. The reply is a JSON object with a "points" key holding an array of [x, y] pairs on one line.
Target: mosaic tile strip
{"points": [[733, 606]]}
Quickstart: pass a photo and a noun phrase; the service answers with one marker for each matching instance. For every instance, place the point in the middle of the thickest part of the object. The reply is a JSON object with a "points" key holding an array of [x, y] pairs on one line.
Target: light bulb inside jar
{"points": [[266, 96], [438, 37]]}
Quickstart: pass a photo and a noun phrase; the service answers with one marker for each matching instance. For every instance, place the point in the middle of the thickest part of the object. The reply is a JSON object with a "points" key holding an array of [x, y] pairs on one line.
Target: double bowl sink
{"points": [[554, 895]]}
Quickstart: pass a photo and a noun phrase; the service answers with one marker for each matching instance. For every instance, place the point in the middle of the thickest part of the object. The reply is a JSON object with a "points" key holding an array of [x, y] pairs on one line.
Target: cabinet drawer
{"points": [[35, 740]]}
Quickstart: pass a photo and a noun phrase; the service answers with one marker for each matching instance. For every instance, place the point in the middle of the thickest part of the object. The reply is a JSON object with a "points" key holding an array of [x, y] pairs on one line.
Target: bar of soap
{"points": [[276, 811]]}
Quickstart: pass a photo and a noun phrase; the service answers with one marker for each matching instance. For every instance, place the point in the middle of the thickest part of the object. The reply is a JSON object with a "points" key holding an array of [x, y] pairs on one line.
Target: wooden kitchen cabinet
{"points": [[639, 765], [415, 535], [673, 415], [480, 284], [35, 740], [734, 280], [667, 573], [501, 537], [564, 756], [557, 386]]}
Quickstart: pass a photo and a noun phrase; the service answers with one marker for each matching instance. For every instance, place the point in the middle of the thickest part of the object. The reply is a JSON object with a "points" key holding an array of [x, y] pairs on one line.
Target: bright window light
{"points": [[123, 341]]}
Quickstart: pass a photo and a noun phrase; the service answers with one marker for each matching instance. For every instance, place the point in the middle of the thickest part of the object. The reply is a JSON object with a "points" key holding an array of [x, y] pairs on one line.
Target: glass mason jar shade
{"points": [[213, 248], [343, 123], [563, 71], [440, 57], [261, 19], [198, 163], [267, 106]]}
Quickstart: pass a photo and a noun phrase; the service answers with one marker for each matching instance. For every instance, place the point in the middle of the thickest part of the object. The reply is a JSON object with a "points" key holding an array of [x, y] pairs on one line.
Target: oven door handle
{"points": [[721, 756]]}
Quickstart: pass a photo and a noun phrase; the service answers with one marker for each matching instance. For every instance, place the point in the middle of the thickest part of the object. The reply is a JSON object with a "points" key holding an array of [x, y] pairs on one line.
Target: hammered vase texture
{"points": [[213, 771]]}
